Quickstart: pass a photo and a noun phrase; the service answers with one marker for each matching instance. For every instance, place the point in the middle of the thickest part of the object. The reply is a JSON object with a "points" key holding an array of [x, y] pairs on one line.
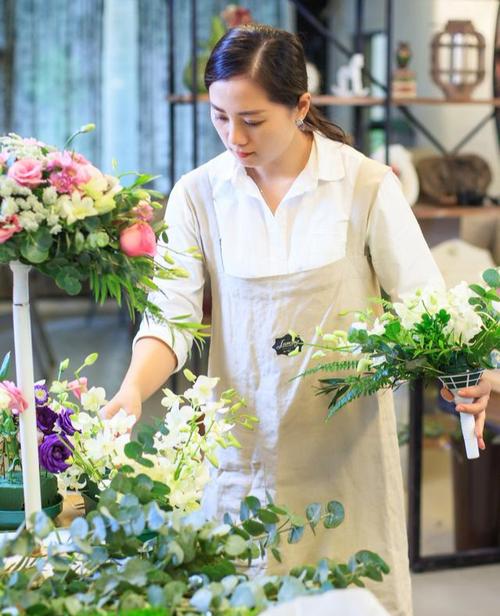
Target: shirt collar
{"points": [[325, 163]]}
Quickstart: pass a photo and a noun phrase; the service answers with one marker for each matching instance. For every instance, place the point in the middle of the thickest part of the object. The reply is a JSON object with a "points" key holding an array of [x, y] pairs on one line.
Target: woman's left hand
{"points": [[481, 394]]}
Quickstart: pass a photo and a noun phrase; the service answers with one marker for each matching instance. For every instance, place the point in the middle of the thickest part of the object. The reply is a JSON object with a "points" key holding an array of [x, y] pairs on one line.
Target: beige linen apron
{"points": [[293, 453]]}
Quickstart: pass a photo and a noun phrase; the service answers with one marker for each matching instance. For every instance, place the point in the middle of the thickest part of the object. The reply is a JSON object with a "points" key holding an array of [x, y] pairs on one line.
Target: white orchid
{"points": [[93, 399]]}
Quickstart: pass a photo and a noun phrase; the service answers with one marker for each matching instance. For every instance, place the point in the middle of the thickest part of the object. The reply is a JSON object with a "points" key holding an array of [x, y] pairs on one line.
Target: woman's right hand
{"points": [[127, 398]]}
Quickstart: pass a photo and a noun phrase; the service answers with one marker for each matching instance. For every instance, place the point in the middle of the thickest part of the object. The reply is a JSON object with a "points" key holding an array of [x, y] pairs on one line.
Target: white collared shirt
{"points": [[308, 230]]}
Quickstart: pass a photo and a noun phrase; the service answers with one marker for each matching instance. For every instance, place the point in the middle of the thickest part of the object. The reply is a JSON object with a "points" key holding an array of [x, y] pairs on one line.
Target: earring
{"points": [[299, 123]]}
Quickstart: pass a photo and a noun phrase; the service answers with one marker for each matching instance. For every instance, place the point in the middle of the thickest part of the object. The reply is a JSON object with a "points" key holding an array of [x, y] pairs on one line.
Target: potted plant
{"points": [[12, 404], [451, 335]]}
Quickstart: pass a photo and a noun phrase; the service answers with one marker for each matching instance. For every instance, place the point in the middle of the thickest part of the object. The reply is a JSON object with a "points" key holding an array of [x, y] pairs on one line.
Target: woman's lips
{"points": [[243, 154]]}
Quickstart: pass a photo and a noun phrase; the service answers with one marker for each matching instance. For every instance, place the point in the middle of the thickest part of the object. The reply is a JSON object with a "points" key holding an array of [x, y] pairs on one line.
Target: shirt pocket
{"points": [[326, 247]]}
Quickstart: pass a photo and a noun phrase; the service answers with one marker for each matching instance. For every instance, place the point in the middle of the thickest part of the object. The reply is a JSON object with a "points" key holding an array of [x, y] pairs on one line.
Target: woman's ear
{"points": [[303, 105]]}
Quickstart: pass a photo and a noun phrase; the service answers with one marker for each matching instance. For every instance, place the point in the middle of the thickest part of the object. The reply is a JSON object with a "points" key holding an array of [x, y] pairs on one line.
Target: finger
{"points": [[479, 429], [475, 391], [110, 409], [446, 394], [475, 407]]}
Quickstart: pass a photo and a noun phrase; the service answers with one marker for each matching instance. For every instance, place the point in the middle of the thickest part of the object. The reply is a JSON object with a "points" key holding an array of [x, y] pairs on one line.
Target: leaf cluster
{"points": [[131, 557]]}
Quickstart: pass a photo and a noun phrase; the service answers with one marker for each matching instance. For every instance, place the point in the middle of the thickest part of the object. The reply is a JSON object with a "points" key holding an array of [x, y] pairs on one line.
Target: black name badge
{"points": [[287, 344]]}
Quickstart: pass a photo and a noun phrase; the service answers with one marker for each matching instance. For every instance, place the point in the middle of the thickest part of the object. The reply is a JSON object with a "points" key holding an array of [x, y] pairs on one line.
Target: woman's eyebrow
{"points": [[254, 112]]}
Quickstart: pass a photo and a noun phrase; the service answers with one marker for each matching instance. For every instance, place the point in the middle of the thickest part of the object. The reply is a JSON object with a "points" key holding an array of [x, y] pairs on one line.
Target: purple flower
{"points": [[53, 452], [45, 419], [64, 421], [41, 394]]}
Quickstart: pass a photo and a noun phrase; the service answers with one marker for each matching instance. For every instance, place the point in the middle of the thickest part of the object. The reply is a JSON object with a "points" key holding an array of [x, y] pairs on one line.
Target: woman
{"points": [[294, 226]]}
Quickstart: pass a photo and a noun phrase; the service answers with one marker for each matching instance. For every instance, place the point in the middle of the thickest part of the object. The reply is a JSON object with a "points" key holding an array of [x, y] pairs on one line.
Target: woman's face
{"points": [[257, 131]]}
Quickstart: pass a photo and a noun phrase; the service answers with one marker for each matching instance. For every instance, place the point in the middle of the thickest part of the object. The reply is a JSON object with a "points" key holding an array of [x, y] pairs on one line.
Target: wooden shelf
{"points": [[363, 101], [426, 211]]}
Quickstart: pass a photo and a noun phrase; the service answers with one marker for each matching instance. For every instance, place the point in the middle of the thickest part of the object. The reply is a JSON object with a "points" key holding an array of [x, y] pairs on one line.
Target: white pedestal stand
{"points": [[25, 381]]}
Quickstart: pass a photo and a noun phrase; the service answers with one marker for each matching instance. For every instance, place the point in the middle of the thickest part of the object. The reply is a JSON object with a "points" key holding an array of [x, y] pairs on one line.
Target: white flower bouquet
{"points": [[451, 335]]}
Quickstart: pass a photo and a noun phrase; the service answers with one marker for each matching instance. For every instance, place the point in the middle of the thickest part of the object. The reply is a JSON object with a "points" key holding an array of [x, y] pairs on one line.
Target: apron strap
{"points": [[370, 175]]}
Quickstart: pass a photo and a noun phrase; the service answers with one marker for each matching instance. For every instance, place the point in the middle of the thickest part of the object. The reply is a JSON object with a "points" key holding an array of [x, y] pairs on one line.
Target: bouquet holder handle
{"points": [[23, 346], [468, 426], [467, 421]]}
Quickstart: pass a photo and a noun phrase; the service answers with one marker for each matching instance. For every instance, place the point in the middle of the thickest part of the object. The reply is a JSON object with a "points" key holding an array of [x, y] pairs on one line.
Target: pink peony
{"points": [[78, 386], [8, 226], [26, 172], [68, 171], [17, 402], [138, 240], [144, 211]]}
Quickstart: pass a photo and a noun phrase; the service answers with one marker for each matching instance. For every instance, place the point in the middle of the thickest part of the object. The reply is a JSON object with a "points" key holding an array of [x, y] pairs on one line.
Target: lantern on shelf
{"points": [[457, 62]]}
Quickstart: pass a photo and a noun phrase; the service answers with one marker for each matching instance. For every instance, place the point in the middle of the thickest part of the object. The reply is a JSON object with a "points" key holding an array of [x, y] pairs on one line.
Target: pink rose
{"points": [[138, 240], [144, 211], [17, 402], [69, 171], [26, 172], [8, 227], [78, 386]]}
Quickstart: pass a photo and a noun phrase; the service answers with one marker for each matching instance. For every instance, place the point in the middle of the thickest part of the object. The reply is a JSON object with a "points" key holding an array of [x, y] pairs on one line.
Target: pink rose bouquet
{"points": [[74, 223]]}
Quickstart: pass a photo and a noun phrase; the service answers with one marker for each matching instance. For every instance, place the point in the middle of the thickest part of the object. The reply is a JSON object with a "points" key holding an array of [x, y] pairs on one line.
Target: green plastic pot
{"points": [[12, 499]]}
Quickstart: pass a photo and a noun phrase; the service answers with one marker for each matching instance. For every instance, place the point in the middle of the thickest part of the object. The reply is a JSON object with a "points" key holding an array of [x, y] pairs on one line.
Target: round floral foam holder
{"points": [[454, 382]]}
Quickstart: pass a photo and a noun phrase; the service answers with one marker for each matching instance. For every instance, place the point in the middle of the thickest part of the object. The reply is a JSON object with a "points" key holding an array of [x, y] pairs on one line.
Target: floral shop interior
{"points": [[212, 402]]}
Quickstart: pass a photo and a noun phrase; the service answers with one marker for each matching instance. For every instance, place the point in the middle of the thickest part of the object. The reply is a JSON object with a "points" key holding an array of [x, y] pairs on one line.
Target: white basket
{"points": [[454, 382]]}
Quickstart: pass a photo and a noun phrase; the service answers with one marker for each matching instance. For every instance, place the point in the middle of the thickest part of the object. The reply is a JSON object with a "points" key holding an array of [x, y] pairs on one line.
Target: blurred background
{"points": [[127, 66]]}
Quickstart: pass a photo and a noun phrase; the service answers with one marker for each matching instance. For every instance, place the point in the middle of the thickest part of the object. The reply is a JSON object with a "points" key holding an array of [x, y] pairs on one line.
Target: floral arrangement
{"points": [[430, 333], [63, 216], [177, 453], [100, 565], [79, 447]]}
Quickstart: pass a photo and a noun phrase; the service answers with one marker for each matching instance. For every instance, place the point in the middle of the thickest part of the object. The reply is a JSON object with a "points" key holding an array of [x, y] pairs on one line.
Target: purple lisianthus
{"points": [[64, 421], [53, 452], [45, 419], [41, 394]]}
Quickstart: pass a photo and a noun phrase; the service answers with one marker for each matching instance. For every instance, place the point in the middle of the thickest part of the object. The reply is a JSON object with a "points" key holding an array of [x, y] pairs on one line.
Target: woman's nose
{"points": [[236, 136]]}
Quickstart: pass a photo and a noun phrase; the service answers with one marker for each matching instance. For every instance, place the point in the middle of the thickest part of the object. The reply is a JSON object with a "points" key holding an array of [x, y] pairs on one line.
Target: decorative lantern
{"points": [[457, 64]]}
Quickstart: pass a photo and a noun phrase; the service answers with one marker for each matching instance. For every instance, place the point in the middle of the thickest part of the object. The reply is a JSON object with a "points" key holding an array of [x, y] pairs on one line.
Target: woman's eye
{"points": [[254, 123], [219, 117]]}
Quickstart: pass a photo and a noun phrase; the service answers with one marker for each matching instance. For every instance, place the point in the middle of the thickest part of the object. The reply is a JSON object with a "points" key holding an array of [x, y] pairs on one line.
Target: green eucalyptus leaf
{"points": [[133, 450], [291, 588], [492, 277], [335, 515], [135, 572], [235, 545], [32, 253], [268, 517], [313, 514], [43, 525], [79, 528], [295, 535]]}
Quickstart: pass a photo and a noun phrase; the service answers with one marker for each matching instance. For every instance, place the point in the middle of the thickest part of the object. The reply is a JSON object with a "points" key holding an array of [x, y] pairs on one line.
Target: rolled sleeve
{"points": [[400, 255], [182, 296]]}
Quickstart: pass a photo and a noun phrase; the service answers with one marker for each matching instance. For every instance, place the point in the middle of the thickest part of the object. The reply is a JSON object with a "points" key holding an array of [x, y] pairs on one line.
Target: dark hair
{"points": [[275, 60]]}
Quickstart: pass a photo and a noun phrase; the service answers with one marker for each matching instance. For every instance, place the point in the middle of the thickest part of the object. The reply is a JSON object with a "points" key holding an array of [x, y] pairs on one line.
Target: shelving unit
{"points": [[323, 100], [423, 211]]}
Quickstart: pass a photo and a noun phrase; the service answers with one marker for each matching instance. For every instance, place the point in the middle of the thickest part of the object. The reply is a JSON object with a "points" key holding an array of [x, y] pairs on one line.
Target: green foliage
{"points": [[190, 565]]}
